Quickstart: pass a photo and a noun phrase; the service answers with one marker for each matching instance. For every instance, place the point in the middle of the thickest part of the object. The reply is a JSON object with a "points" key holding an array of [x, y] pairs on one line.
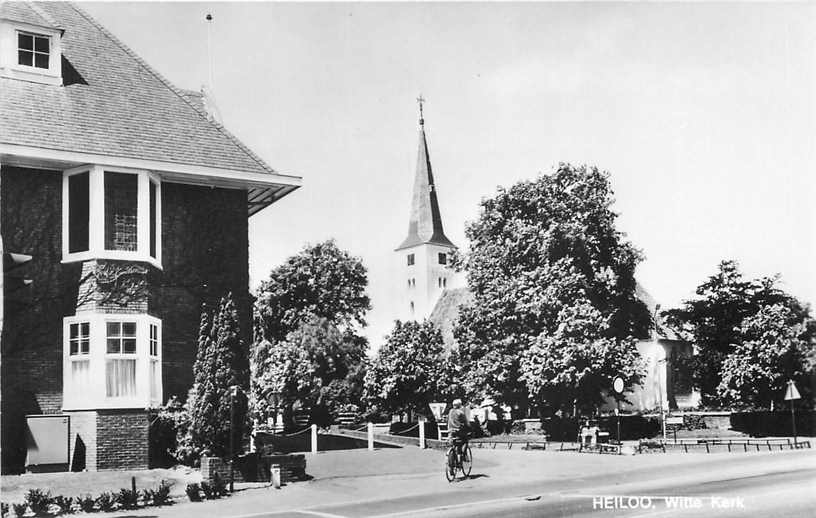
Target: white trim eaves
{"points": [[15, 154]]}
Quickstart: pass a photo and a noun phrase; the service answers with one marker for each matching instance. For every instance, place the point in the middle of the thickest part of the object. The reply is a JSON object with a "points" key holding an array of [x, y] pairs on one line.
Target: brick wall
{"points": [[31, 347], [204, 255], [122, 439], [83, 441]]}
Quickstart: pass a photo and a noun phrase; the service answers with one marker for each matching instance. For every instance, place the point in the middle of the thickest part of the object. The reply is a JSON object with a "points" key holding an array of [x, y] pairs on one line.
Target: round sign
{"points": [[618, 385]]}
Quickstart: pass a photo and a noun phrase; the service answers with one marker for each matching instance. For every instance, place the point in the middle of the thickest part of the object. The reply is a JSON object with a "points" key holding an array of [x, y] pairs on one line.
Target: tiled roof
{"points": [[26, 13], [116, 105], [446, 312]]}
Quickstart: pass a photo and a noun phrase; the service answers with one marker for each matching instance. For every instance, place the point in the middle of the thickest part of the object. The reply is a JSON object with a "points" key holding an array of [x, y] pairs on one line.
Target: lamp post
{"points": [[233, 393], [618, 386]]}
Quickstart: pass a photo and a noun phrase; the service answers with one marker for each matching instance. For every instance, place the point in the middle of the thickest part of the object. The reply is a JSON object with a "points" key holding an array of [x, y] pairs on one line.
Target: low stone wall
{"points": [[255, 468]]}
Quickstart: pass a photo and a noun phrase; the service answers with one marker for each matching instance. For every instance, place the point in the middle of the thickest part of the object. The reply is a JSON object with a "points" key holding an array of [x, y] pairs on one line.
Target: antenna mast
{"points": [[209, 19]]}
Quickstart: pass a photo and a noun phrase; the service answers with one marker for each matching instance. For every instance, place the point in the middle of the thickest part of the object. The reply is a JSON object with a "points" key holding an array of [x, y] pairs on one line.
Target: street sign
{"points": [[791, 393], [618, 385], [674, 420]]}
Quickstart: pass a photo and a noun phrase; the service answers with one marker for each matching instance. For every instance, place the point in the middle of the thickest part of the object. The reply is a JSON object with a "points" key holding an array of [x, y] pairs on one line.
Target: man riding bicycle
{"points": [[458, 426]]}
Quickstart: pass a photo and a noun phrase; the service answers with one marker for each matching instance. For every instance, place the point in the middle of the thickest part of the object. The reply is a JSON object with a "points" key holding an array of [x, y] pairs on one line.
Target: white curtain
{"points": [[80, 376], [121, 377], [155, 374]]}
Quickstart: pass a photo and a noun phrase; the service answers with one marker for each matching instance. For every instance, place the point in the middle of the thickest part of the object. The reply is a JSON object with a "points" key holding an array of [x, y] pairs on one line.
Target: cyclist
{"points": [[458, 426]]}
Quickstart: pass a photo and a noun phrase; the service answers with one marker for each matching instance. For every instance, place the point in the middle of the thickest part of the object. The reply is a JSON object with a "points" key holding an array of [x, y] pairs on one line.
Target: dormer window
{"points": [[30, 52], [33, 50]]}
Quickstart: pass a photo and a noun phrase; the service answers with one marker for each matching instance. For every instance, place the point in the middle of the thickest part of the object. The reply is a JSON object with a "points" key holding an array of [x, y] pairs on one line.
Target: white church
{"points": [[429, 288]]}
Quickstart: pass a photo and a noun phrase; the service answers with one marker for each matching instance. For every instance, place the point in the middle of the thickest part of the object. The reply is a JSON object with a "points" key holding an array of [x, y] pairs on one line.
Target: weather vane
{"points": [[421, 101]]}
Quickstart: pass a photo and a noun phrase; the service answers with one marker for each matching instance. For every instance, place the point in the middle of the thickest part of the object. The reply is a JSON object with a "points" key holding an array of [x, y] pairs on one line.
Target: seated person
{"points": [[457, 425]]}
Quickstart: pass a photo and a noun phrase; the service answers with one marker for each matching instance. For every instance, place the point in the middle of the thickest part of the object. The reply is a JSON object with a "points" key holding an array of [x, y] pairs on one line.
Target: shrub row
{"points": [[41, 503], [763, 423], [208, 491], [632, 427]]}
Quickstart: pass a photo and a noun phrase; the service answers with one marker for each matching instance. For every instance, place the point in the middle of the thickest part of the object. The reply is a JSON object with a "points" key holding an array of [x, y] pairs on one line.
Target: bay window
{"points": [[111, 213], [112, 361]]}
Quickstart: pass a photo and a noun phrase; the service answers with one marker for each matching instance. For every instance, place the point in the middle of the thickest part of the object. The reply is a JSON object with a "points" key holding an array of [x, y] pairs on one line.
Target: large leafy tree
{"points": [[771, 350], [713, 321], [409, 371], [317, 365], [537, 249], [220, 364], [308, 316]]}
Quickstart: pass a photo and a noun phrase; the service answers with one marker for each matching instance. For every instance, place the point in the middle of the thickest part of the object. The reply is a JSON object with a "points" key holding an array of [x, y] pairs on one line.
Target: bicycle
{"points": [[455, 462]]}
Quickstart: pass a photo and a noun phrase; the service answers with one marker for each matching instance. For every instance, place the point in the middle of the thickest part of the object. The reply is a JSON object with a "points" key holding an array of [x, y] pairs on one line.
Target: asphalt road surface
{"points": [[774, 485]]}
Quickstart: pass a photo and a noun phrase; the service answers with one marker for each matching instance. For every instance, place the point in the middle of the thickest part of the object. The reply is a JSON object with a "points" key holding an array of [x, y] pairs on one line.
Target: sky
{"points": [[703, 114]]}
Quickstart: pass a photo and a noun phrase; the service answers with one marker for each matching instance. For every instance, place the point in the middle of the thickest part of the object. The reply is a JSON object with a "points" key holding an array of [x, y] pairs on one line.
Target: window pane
{"points": [[120, 211], [78, 212], [41, 44], [25, 58], [41, 60], [74, 330], [80, 376], [129, 345], [153, 223], [443, 259], [114, 328], [129, 329], [74, 347], [120, 378], [113, 345], [84, 346], [25, 41], [85, 326], [155, 376]]}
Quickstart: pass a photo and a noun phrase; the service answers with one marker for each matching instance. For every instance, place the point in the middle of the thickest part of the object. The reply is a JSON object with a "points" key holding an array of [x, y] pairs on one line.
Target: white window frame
{"points": [[9, 65], [94, 396], [96, 216]]}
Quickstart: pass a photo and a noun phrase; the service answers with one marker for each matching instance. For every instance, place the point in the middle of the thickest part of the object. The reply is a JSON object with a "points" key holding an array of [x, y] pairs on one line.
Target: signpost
{"points": [[791, 394], [618, 386]]}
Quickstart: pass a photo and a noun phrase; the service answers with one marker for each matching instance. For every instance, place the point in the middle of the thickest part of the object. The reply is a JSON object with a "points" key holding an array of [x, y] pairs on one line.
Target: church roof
{"points": [[425, 223], [446, 312]]}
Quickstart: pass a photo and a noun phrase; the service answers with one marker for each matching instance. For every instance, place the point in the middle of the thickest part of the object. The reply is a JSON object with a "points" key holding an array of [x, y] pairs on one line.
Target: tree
{"points": [[770, 352], [321, 281], [576, 362], [316, 365], [220, 364], [712, 321], [409, 370], [307, 317], [538, 248]]}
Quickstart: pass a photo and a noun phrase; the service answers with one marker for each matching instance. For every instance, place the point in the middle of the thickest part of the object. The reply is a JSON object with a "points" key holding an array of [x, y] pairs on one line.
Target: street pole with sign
{"points": [[618, 386], [791, 394]]}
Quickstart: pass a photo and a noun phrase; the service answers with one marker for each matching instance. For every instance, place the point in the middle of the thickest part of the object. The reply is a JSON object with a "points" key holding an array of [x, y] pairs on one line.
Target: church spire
{"points": [[425, 223]]}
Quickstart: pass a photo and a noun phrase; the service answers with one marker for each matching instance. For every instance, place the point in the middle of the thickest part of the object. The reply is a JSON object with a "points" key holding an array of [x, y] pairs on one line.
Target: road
{"points": [[510, 484]]}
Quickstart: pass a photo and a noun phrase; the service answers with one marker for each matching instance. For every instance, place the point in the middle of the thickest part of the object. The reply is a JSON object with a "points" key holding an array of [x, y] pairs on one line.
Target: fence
{"points": [[723, 445]]}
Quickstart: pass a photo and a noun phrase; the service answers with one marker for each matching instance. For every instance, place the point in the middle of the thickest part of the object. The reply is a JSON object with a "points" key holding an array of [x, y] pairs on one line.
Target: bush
{"points": [[161, 496], [38, 501], [106, 502], [20, 509], [127, 499], [170, 437], [86, 503], [763, 423], [4, 509], [66, 505], [193, 492], [207, 489]]}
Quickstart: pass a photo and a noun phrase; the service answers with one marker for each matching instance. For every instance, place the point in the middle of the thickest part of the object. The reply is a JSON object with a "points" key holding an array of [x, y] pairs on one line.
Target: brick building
{"points": [[132, 203]]}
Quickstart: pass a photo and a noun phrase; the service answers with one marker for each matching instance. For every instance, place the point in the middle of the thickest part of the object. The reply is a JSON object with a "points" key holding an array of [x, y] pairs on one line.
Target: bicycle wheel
{"points": [[450, 464], [467, 461]]}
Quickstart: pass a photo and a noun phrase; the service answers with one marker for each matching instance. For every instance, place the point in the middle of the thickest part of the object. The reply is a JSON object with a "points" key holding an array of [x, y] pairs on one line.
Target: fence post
{"points": [[421, 433], [314, 438], [370, 436]]}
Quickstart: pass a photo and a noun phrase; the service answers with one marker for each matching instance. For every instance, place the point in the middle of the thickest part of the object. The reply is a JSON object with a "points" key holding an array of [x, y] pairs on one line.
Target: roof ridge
{"points": [[130, 52]]}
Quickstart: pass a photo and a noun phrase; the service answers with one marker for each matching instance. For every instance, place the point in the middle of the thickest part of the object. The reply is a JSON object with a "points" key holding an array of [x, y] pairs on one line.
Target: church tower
{"points": [[424, 256]]}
